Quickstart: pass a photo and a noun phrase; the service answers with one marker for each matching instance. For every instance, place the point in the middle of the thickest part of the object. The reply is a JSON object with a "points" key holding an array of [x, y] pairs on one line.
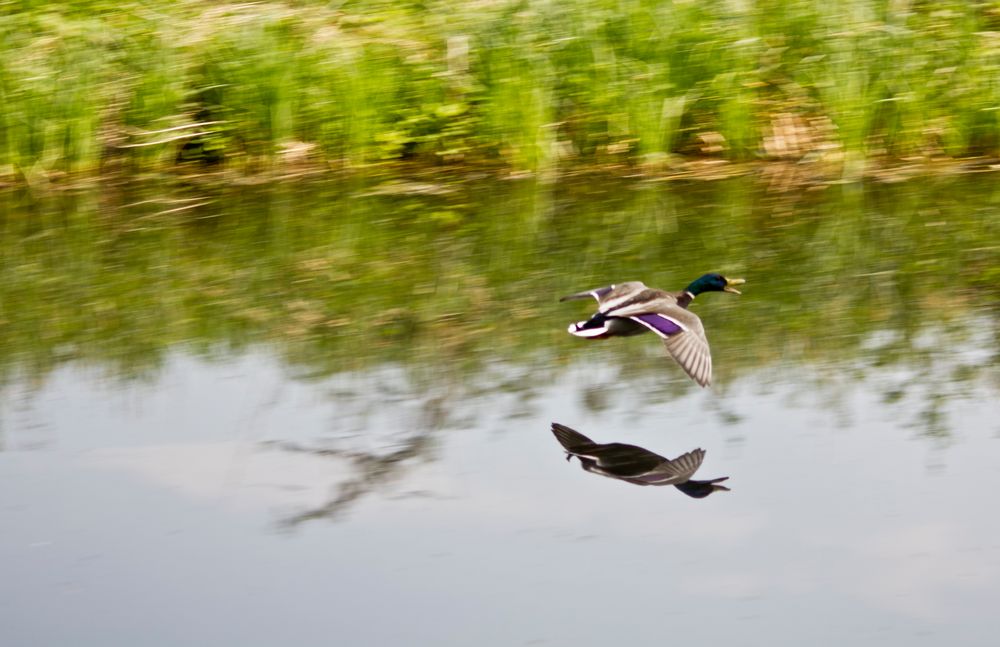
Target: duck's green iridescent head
{"points": [[713, 283]]}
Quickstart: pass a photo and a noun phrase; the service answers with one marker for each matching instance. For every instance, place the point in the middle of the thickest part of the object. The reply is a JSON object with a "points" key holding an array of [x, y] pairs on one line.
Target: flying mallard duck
{"points": [[637, 465], [632, 308]]}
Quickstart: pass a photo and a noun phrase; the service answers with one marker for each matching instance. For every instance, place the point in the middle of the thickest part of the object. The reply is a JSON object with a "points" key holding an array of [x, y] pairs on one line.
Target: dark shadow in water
{"points": [[372, 469], [637, 465]]}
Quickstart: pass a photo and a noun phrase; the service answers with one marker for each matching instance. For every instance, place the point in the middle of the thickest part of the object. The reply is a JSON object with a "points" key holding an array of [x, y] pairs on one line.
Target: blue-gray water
{"points": [[253, 486]]}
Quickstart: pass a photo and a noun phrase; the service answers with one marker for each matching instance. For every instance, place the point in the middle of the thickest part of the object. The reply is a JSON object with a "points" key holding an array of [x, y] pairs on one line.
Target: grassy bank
{"points": [[531, 85]]}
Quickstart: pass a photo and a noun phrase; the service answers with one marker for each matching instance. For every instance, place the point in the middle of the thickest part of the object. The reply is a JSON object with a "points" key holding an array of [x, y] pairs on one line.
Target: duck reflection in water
{"points": [[637, 465]]}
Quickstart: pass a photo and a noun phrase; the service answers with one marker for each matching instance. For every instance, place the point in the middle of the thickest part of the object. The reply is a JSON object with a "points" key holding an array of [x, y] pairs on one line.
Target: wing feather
{"points": [[611, 294], [621, 294], [673, 472], [690, 350], [687, 464]]}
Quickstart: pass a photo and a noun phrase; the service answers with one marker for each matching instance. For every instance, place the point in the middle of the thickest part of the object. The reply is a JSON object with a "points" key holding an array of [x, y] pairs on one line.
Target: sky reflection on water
{"points": [[174, 512]]}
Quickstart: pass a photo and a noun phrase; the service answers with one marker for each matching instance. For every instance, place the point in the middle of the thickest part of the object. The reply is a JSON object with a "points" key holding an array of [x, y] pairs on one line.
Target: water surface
{"points": [[316, 414]]}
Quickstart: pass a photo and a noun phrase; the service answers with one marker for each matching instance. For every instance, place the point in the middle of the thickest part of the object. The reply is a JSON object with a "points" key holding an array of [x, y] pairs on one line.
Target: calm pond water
{"points": [[319, 414]]}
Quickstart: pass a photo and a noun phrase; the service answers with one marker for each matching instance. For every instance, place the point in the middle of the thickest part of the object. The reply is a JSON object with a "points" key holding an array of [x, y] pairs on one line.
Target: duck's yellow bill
{"points": [[732, 282]]}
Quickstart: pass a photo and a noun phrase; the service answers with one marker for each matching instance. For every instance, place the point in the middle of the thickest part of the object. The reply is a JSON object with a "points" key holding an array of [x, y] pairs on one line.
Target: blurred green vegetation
{"points": [[535, 85], [456, 277]]}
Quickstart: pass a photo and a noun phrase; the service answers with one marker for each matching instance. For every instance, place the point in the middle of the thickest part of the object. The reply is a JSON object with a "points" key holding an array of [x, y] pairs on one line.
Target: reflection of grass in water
{"points": [[336, 277], [533, 84]]}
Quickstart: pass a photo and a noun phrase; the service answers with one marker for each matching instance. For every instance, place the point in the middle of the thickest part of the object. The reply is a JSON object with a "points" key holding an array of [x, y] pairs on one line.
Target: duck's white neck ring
{"points": [[689, 294]]}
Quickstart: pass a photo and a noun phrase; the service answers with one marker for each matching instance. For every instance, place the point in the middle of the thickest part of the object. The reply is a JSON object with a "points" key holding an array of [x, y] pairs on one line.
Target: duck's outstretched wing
{"points": [[572, 441], [687, 464], [609, 295], [673, 472], [684, 338], [690, 350]]}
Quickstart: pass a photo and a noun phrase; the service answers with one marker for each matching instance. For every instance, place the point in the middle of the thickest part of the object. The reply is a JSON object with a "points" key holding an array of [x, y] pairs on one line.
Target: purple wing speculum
{"points": [[662, 325]]}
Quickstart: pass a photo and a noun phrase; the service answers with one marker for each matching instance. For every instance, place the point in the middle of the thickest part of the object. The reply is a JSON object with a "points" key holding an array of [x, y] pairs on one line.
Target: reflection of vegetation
{"points": [[338, 277], [372, 469], [530, 83]]}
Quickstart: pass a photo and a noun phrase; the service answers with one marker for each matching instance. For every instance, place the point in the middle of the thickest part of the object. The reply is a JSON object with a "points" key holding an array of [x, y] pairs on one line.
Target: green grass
{"points": [[530, 84]]}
